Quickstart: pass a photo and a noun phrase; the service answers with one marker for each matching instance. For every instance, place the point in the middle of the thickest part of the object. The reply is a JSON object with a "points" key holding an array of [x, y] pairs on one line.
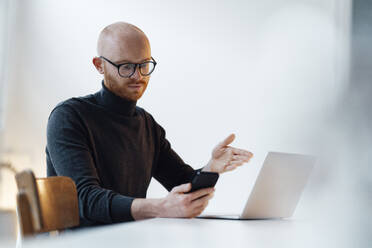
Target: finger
{"points": [[242, 152], [201, 201], [200, 193], [183, 188], [236, 163], [230, 168], [226, 141], [241, 158], [199, 210], [205, 197]]}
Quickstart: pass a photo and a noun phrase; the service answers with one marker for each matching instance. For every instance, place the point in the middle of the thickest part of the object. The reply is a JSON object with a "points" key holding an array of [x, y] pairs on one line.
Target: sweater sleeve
{"points": [[171, 170], [69, 152]]}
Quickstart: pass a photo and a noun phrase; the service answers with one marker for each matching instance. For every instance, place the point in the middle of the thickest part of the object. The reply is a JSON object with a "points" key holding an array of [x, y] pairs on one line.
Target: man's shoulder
{"points": [[78, 101], [73, 104], [149, 118], [144, 112]]}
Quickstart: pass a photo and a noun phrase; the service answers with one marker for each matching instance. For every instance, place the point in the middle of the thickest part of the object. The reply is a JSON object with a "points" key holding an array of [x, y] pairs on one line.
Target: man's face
{"points": [[126, 48]]}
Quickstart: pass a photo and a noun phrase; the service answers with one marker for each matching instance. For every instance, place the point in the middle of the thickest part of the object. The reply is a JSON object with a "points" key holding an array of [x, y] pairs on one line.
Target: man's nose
{"points": [[137, 74]]}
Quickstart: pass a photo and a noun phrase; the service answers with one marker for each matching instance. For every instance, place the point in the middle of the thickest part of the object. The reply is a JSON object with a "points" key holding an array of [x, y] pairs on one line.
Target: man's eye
{"points": [[144, 65], [127, 67]]}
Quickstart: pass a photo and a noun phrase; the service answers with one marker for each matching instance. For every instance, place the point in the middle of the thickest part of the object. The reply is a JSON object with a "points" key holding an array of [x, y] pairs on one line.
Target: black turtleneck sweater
{"points": [[111, 148]]}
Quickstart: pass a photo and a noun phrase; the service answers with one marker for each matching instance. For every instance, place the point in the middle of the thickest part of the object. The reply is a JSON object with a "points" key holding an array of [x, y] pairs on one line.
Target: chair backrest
{"points": [[46, 204], [28, 203]]}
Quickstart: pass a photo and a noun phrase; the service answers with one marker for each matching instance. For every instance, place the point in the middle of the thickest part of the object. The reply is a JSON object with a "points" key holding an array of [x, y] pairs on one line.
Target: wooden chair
{"points": [[45, 204]]}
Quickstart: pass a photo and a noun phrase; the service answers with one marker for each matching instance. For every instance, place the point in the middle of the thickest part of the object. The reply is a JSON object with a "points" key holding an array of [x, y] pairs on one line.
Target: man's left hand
{"points": [[226, 158]]}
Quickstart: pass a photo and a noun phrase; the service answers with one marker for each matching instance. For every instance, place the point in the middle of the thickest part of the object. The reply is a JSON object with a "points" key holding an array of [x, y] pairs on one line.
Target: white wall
{"points": [[266, 70], [6, 15], [3, 31]]}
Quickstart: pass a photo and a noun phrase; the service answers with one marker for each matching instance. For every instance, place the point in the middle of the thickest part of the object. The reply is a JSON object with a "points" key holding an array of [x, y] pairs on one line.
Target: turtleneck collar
{"points": [[115, 103]]}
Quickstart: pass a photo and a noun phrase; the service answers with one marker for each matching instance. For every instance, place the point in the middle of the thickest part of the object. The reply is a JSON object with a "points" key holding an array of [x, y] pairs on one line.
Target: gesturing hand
{"points": [[226, 158]]}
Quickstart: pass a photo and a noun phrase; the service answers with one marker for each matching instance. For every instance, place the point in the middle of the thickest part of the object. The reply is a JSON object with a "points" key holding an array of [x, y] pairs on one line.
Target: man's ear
{"points": [[98, 63]]}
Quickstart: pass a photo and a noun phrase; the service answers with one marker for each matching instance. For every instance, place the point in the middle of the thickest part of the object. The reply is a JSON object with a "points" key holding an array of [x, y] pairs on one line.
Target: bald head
{"points": [[123, 41]]}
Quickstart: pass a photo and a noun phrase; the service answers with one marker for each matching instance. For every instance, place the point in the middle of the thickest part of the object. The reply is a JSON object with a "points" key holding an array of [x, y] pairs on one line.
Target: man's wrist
{"points": [[209, 167], [146, 208], [159, 207]]}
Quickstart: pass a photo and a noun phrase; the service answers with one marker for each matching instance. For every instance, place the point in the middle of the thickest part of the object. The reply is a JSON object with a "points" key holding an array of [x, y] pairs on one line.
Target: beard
{"points": [[124, 87]]}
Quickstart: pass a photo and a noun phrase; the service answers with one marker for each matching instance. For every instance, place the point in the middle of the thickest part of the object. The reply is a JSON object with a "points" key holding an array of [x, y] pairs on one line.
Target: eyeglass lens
{"points": [[145, 69]]}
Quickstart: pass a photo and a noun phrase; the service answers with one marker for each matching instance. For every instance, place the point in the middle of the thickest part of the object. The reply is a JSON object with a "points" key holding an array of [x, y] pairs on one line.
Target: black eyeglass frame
{"points": [[135, 66]]}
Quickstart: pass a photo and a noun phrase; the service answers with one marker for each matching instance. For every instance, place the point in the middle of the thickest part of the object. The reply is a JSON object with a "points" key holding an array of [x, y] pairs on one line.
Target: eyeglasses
{"points": [[126, 70]]}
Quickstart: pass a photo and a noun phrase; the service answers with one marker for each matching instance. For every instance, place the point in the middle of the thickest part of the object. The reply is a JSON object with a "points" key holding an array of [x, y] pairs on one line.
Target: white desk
{"points": [[200, 233]]}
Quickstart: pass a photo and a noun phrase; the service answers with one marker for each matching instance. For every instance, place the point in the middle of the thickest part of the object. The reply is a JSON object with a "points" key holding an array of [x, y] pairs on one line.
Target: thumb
{"points": [[226, 141], [183, 188]]}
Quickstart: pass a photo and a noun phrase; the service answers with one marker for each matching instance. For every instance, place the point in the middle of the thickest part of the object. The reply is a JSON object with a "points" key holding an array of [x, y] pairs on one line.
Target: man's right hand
{"points": [[180, 204]]}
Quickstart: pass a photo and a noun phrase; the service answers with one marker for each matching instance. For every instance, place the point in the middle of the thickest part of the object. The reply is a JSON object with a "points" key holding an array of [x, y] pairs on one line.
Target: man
{"points": [[112, 148]]}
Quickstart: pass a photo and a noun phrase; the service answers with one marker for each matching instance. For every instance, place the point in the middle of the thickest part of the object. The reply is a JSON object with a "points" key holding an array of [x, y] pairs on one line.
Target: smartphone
{"points": [[204, 179]]}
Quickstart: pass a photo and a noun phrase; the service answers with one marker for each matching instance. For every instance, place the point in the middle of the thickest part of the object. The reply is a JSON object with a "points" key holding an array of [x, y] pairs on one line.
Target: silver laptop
{"points": [[278, 187]]}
